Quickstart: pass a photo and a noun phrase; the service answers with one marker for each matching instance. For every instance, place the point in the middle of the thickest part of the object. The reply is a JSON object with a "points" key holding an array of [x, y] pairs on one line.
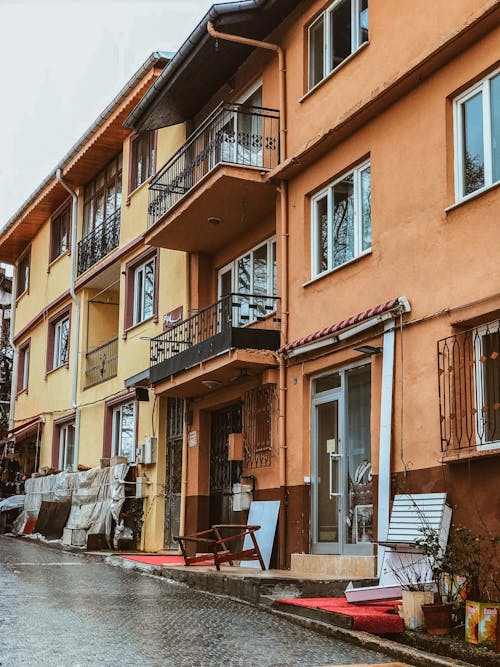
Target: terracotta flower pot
{"points": [[437, 618]]}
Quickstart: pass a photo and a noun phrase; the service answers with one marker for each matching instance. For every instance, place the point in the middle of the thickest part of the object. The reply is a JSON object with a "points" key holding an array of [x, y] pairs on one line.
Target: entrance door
{"points": [[342, 505], [173, 475], [223, 472]]}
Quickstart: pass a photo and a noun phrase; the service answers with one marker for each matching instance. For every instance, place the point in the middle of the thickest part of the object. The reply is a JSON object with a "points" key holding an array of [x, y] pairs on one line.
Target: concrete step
{"points": [[347, 567]]}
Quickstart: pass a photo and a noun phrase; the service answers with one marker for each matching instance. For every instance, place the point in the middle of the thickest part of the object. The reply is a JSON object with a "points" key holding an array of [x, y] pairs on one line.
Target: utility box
{"points": [[149, 450], [140, 487], [242, 497], [235, 447]]}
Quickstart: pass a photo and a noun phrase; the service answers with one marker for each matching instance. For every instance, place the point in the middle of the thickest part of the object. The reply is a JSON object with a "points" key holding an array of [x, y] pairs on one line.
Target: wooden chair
{"points": [[216, 545]]}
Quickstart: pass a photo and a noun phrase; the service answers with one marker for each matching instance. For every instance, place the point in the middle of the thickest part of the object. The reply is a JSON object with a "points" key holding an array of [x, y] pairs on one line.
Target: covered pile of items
{"points": [[81, 507]]}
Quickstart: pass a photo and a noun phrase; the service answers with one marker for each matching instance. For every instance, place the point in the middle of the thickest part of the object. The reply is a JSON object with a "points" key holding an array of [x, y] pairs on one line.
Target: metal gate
{"points": [[223, 472], [173, 474]]}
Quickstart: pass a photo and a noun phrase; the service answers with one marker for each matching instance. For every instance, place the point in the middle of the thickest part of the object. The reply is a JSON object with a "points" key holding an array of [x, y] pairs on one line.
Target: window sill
{"points": [[21, 392], [472, 196], [18, 298], [153, 319], [333, 72], [468, 453], [366, 253], [53, 370], [137, 189], [66, 253]]}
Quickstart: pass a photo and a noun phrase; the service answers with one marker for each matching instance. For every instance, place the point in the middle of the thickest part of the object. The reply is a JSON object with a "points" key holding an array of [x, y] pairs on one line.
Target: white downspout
{"points": [[76, 328], [15, 356]]}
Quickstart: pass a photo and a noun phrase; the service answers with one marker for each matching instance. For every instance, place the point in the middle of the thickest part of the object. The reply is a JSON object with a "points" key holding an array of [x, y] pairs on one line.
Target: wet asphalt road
{"points": [[57, 609]]}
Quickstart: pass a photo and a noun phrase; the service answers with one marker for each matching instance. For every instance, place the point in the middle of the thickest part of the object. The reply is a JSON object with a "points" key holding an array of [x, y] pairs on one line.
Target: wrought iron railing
{"points": [[101, 363], [99, 242], [469, 388], [234, 134], [233, 310]]}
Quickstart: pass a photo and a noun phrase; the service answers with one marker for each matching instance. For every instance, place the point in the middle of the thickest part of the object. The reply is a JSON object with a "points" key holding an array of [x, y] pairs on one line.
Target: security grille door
{"points": [[173, 475], [223, 472]]}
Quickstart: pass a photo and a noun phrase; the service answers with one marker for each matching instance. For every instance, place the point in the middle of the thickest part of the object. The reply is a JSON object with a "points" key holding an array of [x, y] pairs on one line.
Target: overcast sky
{"points": [[61, 63]]}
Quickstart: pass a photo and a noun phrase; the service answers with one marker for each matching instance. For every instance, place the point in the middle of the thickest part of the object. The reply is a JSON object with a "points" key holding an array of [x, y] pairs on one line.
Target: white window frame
{"points": [[484, 88], [358, 222], [479, 390], [116, 438], [327, 38], [139, 300], [64, 431], [24, 356], [58, 359]]}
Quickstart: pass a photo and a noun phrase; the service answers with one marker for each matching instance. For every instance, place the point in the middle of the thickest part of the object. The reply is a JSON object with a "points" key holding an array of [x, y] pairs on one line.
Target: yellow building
{"points": [[86, 295]]}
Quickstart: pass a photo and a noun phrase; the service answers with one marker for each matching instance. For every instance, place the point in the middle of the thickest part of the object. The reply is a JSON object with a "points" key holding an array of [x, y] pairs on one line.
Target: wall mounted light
{"points": [[368, 349]]}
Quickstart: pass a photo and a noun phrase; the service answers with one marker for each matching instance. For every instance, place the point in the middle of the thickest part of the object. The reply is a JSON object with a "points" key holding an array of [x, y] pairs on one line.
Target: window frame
{"points": [[23, 366], [356, 42], [25, 256], [54, 323], [479, 394], [139, 315], [59, 457], [64, 209], [484, 87], [116, 432], [358, 221], [133, 185], [233, 266], [130, 267], [92, 191]]}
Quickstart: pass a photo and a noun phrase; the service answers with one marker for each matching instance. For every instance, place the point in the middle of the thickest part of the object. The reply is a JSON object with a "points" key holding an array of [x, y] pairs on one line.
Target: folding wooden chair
{"points": [[216, 544]]}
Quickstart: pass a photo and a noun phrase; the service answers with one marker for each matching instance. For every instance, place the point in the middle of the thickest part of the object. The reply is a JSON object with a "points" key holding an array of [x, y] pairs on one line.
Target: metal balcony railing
{"points": [[99, 242], [101, 363], [233, 134], [232, 311], [469, 388]]}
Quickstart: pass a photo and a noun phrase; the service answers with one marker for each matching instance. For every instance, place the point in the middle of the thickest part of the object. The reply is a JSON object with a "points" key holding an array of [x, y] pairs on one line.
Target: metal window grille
{"points": [[258, 426]]}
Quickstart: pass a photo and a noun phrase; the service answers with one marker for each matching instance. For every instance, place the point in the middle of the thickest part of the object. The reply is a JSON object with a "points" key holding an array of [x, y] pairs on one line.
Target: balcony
{"points": [[469, 391], [237, 321], [101, 363], [99, 242], [219, 170]]}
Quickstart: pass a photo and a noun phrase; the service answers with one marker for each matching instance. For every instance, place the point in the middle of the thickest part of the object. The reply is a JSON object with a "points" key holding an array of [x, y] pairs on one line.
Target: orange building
{"points": [[338, 196]]}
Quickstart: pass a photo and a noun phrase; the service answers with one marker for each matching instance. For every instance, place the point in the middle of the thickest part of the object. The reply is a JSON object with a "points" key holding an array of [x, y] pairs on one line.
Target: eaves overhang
{"points": [[90, 153], [200, 67]]}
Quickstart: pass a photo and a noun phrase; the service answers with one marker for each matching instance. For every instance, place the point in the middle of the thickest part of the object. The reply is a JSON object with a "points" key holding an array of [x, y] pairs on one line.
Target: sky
{"points": [[61, 63]]}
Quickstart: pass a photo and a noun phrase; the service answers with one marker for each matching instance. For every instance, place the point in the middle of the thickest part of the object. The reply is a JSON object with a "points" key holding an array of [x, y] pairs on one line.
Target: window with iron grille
{"points": [[257, 426], [103, 196]]}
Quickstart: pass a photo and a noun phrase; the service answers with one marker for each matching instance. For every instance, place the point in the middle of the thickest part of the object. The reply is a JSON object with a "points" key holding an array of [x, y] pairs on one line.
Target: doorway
{"points": [[341, 493], [223, 472], [173, 473]]}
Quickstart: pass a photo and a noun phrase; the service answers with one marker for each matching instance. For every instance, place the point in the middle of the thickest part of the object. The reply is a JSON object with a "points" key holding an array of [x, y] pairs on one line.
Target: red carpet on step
{"points": [[161, 560], [375, 617]]}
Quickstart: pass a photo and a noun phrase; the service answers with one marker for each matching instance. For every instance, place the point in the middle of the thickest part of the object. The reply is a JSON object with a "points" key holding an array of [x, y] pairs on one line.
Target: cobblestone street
{"points": [[60, 609]]}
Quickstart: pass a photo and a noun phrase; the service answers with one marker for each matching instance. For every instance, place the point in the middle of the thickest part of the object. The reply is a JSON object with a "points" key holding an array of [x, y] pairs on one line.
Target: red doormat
{"points": [[162, 560], [375, 617]]}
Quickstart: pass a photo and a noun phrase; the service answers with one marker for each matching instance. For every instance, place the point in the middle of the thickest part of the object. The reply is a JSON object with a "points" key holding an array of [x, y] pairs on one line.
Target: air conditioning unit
{"points": [[149, 450]]}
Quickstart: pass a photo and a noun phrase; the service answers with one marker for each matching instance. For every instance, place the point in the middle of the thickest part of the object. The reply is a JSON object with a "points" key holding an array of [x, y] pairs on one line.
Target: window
{"points": [[103, 196], [341, 221], [123, 431], [487, 368], [142, 164], [23, 274], [60, 233], [141, 288], [23, 367], [144, 291], [67, 446], [338, 32], [58, 341], [254, 273], [477, 137]]}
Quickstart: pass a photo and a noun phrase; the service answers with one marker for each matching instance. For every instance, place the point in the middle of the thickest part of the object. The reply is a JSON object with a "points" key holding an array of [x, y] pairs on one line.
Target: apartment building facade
{"points": [[353, 230], [86, 294]]}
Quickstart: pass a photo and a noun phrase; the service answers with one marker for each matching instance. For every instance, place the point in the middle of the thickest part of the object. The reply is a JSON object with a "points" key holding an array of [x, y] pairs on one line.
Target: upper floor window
{"points": [[58, 341], [66, 433], [60, 233], [23, 274], [341, 221], [144, 290], [23, 367], [142, 164], [103, 195], [123, 439], [477, 137], [335, 34]]}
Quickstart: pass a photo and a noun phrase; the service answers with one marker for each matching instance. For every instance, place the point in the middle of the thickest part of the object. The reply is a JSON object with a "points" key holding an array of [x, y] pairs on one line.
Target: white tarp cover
{"points": [[11, 503], [96, 497]]}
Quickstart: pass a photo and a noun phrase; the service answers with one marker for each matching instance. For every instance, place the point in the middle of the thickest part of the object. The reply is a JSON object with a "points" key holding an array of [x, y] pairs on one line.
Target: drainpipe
{"points": [[15, 356], [284, 271], [184, 464], [76, 303]]}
